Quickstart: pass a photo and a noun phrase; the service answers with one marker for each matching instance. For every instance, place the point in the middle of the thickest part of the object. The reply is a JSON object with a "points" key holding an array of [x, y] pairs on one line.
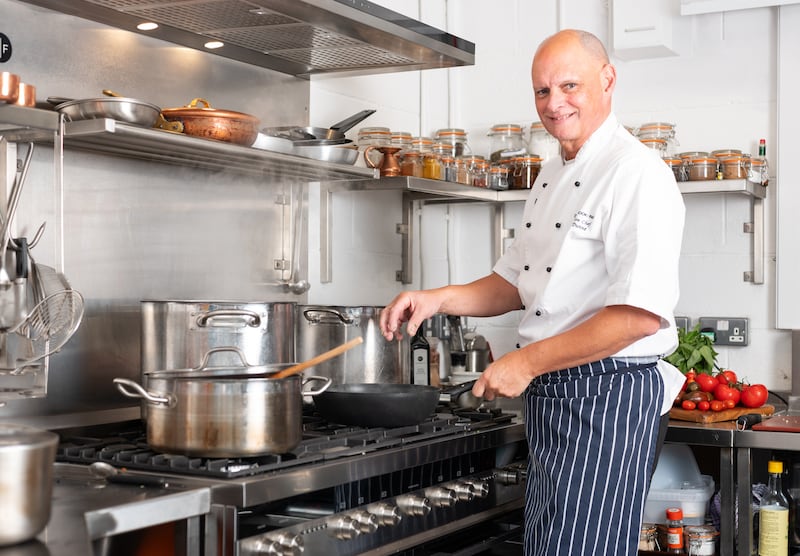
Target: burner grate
{"points": [[322, 441]]}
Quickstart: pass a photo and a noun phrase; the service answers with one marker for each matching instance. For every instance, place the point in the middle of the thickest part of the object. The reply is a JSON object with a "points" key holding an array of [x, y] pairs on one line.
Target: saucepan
{"points": [[9, 87], [199, 119]]}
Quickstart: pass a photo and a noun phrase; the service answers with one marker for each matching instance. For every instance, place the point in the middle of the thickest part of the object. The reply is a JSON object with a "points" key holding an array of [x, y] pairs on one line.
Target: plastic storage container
{"points": [[677, 483]]}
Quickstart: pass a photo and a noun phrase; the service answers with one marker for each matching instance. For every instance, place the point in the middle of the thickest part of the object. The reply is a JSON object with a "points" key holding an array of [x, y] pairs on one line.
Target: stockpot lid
{"points": [[13, 436], [220, 373]]}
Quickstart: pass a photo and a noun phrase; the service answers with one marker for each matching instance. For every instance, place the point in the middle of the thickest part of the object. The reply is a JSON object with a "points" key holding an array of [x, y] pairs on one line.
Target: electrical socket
{"points": [[727, 331], [682, 322]]}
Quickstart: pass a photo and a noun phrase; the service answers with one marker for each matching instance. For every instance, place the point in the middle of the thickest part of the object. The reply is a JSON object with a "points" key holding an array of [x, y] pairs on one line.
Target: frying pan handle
{"points": [[246, 318], [318, 316], [140, 393], [456, 391], [327, 383], [348, 123]]}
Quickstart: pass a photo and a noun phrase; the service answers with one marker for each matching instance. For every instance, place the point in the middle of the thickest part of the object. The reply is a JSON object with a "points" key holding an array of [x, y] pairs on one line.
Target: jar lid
{"points": [[470, 158], [401, 136], [732, 160], [443, 147], [719, 153], [673, 161], [375, 130], [704, 160], [498, 170], [506, 129], [674, 514], [537, 126], [657, 125], [757, 162], [451, 133], [412, 154], [653, 140], [425, 141], [532, 159], [693, 154]]}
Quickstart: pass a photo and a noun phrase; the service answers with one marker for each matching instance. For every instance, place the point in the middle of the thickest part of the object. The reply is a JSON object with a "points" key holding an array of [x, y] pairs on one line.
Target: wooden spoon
{"points": [[330, 354]]}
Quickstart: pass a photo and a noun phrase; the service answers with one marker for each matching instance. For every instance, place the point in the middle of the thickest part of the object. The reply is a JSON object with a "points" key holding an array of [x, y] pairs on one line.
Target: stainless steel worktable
{"points": [[720, 435], [87, 511]]}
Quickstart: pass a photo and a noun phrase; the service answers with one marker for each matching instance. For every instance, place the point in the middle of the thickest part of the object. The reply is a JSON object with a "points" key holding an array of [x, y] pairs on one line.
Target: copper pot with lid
{"points": [[9, 87], [199, 119]]}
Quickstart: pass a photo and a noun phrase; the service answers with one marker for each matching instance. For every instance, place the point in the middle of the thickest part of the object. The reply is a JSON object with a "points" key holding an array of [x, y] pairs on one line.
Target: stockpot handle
{"points": [[140, 393], [322, 388], [233, 349], [317, 316], [243, 318]]}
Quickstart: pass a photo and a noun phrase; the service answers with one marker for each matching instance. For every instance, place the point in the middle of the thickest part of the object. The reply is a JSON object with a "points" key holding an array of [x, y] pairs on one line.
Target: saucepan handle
{"points": [[327, 383], [232, 349], [123, 385], [222, 319]]}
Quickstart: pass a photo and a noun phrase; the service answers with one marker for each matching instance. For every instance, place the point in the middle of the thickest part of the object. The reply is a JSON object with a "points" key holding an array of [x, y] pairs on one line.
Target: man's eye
{"points": [[570, 86], [542, 92]]}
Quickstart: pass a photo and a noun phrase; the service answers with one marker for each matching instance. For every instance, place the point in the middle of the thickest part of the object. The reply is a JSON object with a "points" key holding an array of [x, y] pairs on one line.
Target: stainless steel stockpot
{"points": [[223, 411], [322, 327], [26, 481], [177, 334]]}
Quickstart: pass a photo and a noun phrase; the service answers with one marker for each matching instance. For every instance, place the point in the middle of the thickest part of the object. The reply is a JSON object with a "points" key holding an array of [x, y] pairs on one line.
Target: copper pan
{"points": [[9, 87], [201, 120]]}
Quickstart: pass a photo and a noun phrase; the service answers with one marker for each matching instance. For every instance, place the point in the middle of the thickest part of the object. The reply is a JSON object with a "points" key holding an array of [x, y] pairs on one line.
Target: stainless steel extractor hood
{"points": [[296, 37]]}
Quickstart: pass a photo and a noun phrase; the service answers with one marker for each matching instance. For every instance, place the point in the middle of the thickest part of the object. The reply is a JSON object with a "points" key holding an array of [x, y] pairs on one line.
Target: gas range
{"points": [[343, 490]]}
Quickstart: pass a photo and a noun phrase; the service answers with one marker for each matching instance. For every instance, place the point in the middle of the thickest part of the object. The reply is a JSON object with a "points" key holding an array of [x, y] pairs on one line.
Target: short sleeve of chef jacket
{"points": [[628, 254]]}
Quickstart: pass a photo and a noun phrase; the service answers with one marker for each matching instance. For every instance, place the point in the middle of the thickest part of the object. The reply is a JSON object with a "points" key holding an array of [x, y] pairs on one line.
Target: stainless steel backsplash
{"points": [[138, 230]]}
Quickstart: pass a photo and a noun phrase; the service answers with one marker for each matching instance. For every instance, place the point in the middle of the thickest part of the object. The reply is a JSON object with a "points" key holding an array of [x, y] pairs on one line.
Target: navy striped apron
{"points": [[592, 435]]}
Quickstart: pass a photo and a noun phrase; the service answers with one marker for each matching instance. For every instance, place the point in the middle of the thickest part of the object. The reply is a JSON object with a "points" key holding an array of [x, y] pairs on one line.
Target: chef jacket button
{"points": [[538, 313], [558, 224], [528, 224], [518, 346], [549, 268], [577, 184], [522, 308], [527, 267], [544, 185]]}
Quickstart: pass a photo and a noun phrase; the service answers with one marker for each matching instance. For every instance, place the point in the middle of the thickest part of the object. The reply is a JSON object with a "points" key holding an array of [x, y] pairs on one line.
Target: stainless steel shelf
{"points": [[131, 141], [19, 123], [437, 190], [724, 186]]}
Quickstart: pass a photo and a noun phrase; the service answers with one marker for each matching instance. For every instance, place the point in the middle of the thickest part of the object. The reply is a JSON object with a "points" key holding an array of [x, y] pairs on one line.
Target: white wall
{"points": [[720, 92]]}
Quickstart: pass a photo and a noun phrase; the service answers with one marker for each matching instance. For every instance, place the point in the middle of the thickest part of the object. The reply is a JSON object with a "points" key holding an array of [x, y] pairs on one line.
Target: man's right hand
{"points": [[410, 307]]}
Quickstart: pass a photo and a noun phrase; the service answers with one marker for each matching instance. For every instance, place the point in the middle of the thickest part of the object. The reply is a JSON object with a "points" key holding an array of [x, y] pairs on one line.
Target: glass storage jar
{"points": [[656, 130], [733, 167], [758, 171], [401, 139], [455, 137], [505, 141], [431, 166], [449, 168], [480, 173], [465, 165], [657, 144], [526, 170], [377, 136], [542, 143], [702, 169], [421, 144], [498, 178], [677, 166], [411, 164], [725, 153]]}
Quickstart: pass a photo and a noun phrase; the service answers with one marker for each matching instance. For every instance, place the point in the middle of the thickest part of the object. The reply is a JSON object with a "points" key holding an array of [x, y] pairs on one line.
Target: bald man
{"points": [[594, 271]]}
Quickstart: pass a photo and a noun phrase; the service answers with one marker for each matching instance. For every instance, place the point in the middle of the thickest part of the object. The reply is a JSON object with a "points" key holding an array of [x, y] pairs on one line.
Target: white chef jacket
{"points": [[604, 228]]}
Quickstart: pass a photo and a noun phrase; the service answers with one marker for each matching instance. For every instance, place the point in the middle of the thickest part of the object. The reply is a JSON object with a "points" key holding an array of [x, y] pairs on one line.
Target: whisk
{"points": [[50, 325]]}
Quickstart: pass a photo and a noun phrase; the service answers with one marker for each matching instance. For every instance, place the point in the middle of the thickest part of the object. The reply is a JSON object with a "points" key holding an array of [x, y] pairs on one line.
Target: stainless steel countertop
{"points": [[86, 509]]}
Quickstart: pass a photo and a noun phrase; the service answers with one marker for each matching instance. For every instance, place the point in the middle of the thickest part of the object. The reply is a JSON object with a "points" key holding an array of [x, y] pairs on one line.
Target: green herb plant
{"points": [[695, 351]]}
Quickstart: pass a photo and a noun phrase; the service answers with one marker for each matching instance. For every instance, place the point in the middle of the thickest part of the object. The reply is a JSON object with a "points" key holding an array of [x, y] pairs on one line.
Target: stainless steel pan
{"points": [[122, 109], [319, 136]]}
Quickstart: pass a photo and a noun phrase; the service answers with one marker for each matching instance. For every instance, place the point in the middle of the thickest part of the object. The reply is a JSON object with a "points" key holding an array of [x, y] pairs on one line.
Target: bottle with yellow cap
{"points": [[773, 515]]}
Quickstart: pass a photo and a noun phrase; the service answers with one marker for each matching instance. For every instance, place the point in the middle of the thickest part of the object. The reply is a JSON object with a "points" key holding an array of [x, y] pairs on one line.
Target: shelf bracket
{"points": [[756, 227], [406, 231]]}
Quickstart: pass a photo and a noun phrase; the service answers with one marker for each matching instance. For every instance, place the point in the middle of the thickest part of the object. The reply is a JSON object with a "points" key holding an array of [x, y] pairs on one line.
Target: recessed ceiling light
{"points": [[211, 45], [147, 26]]}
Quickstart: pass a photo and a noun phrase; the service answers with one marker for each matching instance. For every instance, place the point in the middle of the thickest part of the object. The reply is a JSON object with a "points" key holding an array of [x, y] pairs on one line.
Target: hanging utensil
{"points": [[13, 201], [50, 325]]}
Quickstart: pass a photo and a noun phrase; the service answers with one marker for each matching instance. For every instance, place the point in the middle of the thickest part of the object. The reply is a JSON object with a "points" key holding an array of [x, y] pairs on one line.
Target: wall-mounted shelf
{"points": [[694, 7], [757, 194]]}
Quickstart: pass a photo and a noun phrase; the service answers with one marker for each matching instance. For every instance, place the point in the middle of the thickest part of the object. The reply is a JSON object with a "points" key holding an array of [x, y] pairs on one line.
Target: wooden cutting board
{"points": [[697, 416], [779, 423]]}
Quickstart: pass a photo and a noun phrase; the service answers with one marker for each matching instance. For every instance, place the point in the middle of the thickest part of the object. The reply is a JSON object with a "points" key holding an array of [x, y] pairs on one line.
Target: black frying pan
{"points": [[377, 405]]}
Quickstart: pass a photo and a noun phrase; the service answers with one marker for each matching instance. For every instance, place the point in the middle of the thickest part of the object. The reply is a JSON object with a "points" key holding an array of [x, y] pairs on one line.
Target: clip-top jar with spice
{"points": [[526, 170], [498, 178], [411, 164], [401, 139], [505, 141], [702, 168], [431, 166], [455, 137], [421, 144]]}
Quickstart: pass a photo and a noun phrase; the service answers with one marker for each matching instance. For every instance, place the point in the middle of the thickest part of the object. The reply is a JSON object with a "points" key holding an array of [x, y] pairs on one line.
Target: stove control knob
{"points": [[343, 527], [386, 514], [441, 497], [462, 489], [507, 476], [282, 544], [479, 488], [365, 521], [414, 505]]}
